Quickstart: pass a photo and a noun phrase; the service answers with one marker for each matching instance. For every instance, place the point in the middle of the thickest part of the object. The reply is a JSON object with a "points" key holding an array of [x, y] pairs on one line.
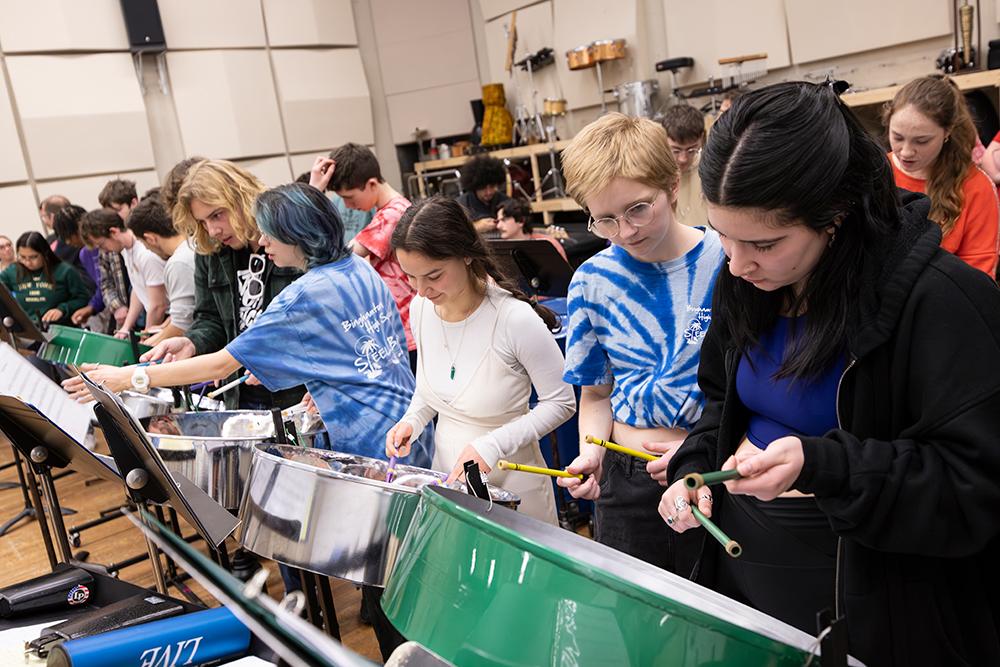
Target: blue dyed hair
{"points": [[301, 215]]}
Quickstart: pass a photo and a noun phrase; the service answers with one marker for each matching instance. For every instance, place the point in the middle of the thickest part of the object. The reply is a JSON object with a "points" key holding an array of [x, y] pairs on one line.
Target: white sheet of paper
{"points": [[12, 644], [19, 378]]}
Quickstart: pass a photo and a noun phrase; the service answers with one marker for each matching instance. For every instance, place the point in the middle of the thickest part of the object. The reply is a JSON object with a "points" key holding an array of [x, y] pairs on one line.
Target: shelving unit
{"points": [[528, 153]]}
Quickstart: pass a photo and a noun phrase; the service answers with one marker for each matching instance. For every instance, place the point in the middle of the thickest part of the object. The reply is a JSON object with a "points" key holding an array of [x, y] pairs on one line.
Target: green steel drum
{"points": [[69, 345], [482, 585]]}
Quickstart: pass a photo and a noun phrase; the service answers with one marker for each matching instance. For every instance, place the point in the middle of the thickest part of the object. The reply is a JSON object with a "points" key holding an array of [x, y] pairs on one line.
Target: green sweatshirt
{"points": [[37, 295]]}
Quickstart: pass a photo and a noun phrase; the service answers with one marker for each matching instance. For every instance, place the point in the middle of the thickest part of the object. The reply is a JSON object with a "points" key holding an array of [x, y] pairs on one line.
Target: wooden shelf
{"points": [[518, 152], [553, 205], [971, 81]]}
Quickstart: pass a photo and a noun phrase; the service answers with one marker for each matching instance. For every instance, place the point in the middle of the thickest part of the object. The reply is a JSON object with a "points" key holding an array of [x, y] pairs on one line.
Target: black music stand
{"points": [[147, 480], [16, 322], [535, 264], [46, 446]]}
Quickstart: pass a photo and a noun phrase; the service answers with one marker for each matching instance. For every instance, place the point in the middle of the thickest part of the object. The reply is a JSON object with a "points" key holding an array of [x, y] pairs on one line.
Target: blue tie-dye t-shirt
{"points": [[337, 330], [639, 326]]}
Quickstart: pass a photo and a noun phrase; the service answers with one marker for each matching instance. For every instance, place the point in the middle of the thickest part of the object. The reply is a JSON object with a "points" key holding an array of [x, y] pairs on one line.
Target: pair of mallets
{"points": [[693, 481]]}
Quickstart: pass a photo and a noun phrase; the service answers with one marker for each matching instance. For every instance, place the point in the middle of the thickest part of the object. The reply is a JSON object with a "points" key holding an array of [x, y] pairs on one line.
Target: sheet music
{"points": [[19, 378]]}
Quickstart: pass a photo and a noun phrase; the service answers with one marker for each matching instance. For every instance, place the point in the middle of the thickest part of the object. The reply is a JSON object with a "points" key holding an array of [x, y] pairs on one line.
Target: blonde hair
{"points": [[940, 100], [618, 146], [219, 184]]}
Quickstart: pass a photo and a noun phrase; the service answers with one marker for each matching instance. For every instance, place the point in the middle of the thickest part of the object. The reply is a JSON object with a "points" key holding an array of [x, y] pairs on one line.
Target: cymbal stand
{"points": [[535, 116], [556, 191], [600, 87]]}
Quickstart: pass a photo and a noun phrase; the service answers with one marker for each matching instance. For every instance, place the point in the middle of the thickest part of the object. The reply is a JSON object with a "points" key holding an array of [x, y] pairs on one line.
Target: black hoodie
{"points": [[911, 480]]}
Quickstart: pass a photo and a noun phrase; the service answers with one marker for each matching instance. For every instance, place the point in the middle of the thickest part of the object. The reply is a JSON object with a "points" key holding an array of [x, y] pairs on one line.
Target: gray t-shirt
{"points": [[178, 276]]}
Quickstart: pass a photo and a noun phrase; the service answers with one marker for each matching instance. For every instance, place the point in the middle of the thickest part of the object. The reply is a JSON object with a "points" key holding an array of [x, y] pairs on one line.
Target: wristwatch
{"points": [[140, 380]]}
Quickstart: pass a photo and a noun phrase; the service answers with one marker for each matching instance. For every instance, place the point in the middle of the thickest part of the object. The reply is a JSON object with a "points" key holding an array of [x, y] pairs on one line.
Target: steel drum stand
{"points": [[149, 483], [29, 510], [320, 609]]}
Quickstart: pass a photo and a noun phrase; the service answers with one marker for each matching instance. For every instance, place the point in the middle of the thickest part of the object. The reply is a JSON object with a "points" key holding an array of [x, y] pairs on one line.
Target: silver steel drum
{"points": [[333, 513], [214, 449], [158, 401], [639, 99]]}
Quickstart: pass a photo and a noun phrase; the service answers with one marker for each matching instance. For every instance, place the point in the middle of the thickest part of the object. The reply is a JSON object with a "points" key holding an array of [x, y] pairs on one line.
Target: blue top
{"points": [[785, 407], [337, 330], [353, 220], [639, 325]]}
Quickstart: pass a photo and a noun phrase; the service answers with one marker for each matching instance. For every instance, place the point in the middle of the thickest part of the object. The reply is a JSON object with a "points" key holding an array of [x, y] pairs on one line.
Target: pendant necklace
{"points": [[444, 336]]}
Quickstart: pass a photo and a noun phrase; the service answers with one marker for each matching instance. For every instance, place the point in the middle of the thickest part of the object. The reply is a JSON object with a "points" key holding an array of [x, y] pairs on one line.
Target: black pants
{"points": [[626, 517], [385, 632], [788, 565]]}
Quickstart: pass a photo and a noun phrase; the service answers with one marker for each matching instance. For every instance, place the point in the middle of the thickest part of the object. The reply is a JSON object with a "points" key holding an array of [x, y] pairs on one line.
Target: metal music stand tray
{"points": [[15, 321], [147, 480], [46, 446], [535, 264]]}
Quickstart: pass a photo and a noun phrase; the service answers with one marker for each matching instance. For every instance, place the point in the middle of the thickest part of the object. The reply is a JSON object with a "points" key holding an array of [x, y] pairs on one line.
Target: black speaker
{"points": [[142, 21]]}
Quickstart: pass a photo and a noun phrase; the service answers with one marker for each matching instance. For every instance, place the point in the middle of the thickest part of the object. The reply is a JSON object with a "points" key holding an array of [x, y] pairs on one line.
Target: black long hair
{"points": [[37, 242], [439, 228], [795, 151]]}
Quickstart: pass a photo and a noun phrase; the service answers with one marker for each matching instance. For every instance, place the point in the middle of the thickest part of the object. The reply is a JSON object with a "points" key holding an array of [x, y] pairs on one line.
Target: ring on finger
{"points": [[705, 496], [672, 519], [680, 504]]}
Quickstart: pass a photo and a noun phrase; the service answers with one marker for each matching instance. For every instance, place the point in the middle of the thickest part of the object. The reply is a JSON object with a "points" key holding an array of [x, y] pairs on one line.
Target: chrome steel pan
{"points": [[332, 513], [213, 449]]}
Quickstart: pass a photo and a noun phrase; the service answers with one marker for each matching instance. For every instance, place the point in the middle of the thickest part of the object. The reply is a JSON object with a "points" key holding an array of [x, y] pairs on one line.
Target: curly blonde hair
{"points": [[221, 184], [940, 100], [618, 146]]}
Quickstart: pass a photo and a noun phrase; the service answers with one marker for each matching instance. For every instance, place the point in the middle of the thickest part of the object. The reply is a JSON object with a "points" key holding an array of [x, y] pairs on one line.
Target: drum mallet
{"points": [[607, 444], [226, 387], [731, 546], [520, 467], [697, 480]]}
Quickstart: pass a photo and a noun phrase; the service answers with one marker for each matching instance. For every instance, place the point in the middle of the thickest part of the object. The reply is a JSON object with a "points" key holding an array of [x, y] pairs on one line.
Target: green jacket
{"points": [[215, 316], [36, 295]]}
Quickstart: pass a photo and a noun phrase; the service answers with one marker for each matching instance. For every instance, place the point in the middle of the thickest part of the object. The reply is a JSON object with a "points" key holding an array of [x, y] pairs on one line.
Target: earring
{"points": [[833, 237]]}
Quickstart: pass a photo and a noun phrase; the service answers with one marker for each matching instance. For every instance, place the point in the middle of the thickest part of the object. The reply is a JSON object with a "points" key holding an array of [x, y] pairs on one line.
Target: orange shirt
{"points": [[975, 238]]}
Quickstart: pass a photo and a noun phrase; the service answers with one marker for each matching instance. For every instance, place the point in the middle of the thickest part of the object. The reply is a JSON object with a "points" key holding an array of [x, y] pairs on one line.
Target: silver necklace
{"points": [[444, 336]]}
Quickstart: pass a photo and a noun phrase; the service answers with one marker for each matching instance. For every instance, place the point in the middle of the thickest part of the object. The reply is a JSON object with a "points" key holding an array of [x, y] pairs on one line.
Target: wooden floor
{"points": [[23, 556]]}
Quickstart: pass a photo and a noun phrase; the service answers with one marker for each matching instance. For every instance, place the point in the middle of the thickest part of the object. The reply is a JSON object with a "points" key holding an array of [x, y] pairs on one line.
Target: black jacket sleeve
{"points": [[700, 449], [207, 331], [933, 487]]}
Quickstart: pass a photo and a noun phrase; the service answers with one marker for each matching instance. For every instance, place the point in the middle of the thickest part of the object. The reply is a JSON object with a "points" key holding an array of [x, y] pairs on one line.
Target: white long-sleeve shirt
{"points": [[528, 354]]}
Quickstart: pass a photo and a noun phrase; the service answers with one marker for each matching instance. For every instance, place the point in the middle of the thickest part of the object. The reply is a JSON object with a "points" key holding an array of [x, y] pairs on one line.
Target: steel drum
{"points": [[159, 401], [493, 587], [69, 345], [332, 513], [214, 449]]}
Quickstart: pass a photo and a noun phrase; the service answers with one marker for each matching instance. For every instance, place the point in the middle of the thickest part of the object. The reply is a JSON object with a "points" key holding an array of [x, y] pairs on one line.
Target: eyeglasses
{"points": [[637, 215], [690, 152]]}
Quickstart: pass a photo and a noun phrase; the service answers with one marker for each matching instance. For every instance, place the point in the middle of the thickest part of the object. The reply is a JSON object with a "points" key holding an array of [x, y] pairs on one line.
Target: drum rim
{"points": [[333, 474], [218, 438]]}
